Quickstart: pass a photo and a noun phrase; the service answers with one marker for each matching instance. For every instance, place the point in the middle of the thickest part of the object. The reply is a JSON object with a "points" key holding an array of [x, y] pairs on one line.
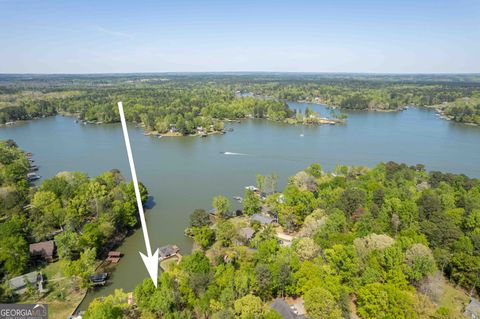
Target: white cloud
{"points": [[114, 33]]}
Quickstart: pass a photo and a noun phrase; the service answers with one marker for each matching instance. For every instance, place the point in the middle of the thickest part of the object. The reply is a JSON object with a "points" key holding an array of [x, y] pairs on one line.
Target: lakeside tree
{"points": [[251, 203], [222, 206]]}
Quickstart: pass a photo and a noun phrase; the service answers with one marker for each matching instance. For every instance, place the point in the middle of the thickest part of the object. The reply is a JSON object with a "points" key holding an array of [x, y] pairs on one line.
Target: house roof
{"points": [[472, 310], [262, 219], [43, 249], [284, 236], [21, 281], [168, 250], [283, 308], [247, 232]]}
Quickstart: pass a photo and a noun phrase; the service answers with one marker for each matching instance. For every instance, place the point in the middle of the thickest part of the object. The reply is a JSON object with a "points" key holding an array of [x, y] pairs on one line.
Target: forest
{"points": [[466, 110], [85, 217], [392, 241], [187, 101]]}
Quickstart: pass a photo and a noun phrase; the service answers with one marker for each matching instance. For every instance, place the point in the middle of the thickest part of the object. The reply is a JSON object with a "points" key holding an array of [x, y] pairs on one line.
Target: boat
{"points": [[238, 198], [99, 278], [32, 177]]}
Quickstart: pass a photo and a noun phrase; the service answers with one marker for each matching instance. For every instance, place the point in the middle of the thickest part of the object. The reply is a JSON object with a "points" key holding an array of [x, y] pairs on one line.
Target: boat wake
{"points": [[234, 154]]}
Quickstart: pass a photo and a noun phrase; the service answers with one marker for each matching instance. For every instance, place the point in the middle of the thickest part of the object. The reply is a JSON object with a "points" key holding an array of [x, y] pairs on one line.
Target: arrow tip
{"points": [[151, 262]]}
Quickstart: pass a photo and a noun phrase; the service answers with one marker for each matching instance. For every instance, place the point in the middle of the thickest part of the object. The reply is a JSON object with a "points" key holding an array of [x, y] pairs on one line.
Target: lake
{"points": [[185, 173]]}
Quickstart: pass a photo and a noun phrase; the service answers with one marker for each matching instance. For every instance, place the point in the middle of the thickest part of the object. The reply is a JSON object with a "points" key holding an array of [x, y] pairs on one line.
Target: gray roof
{"points": [[168, 250], [21, 281], [283, 308], [247, 232], [473, 309], [262, 219]]}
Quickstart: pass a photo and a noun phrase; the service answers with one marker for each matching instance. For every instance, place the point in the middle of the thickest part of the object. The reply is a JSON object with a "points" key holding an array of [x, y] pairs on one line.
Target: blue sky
{"points": [[68, 36]]}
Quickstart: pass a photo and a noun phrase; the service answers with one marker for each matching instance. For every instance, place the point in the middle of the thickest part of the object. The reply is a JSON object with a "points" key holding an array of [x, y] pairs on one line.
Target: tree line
{"points": [[189, 101]]}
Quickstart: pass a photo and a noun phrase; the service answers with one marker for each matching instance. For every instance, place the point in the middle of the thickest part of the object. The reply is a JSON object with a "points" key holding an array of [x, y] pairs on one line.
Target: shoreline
{"points": [[322, 121]]}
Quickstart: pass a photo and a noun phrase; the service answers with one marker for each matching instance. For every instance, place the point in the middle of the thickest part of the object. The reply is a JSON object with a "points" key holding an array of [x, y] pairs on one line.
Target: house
{"points": [[472, 310], [285, 240], [20, 284], [247, 233], [43, 250], [285, 310], [262, 219], [168, 251]]}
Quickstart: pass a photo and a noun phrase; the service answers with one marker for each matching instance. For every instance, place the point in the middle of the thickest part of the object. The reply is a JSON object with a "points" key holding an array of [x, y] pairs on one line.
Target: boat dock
{"points": [[114, 257]]}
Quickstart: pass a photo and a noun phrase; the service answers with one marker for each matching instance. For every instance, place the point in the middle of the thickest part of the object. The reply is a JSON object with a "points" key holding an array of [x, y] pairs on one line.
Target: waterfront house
{"points": [[168, 251], [43, 250], [262, 219]]}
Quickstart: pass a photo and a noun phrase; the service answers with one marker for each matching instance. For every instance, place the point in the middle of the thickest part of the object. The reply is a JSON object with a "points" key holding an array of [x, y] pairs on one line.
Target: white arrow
{"points": [[150, 261]]}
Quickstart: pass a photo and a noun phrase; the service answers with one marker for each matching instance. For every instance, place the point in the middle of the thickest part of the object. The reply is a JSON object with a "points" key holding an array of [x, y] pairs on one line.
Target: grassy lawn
{"points": [[165, 264], [63, 309], [454, 299]]}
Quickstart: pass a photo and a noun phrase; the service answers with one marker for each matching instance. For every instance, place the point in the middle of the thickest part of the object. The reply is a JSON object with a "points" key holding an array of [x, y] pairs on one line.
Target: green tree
{"points": [[419, 259], [248, 307], [204, 236], [112, 307], [385, 301], [80, 270], [320, 304], [251, 203], [226, 233], [222, 206], [199, 218], [67, 245]]}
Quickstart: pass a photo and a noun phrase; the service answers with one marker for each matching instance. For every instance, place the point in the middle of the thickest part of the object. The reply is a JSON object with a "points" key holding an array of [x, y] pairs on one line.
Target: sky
{"points": [[388, 36]]}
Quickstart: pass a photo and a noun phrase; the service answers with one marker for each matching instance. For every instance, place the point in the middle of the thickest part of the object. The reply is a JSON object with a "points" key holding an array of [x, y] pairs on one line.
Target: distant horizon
{"points": [[244, 72]]}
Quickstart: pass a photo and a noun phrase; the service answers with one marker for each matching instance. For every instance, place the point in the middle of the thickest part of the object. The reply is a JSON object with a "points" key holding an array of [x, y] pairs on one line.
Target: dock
{"points": [[114, 257]]}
